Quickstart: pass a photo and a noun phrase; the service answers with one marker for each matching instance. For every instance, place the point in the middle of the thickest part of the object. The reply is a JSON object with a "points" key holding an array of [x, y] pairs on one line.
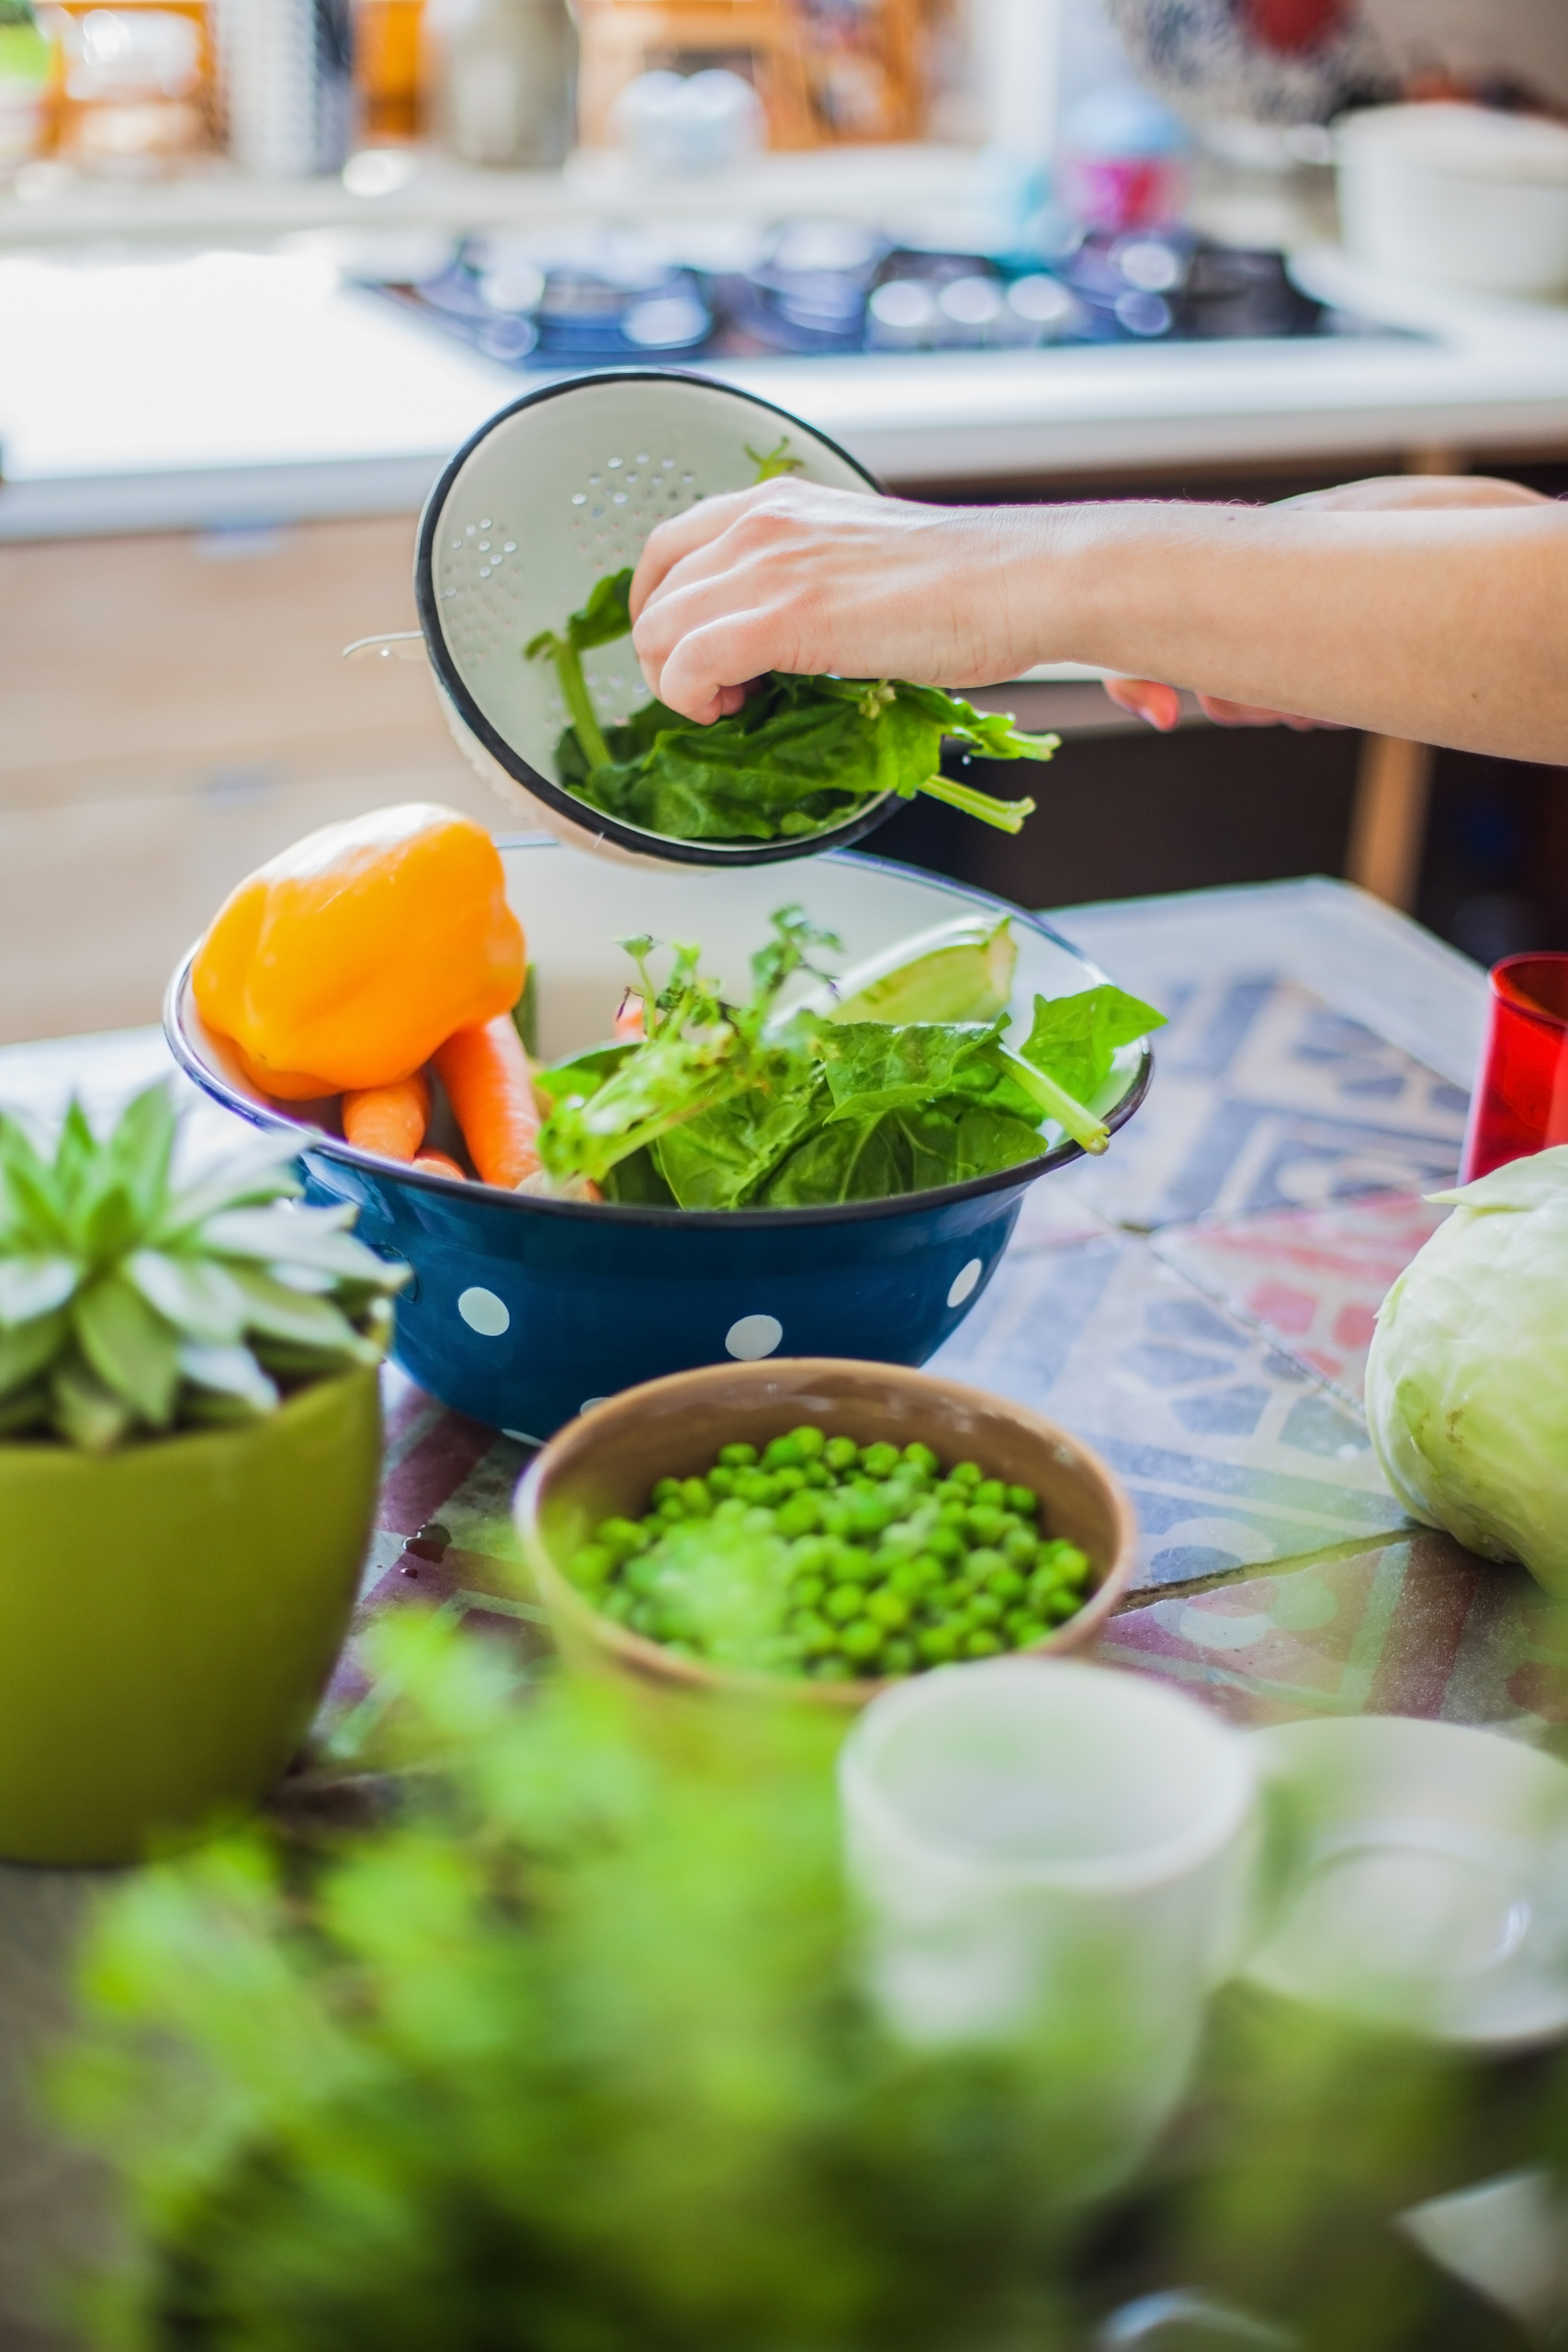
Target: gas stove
{"points": [[615, 299]]}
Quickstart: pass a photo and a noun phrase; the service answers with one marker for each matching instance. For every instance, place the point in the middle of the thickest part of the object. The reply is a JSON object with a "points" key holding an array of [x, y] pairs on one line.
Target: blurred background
{"points": [[265, 263]]}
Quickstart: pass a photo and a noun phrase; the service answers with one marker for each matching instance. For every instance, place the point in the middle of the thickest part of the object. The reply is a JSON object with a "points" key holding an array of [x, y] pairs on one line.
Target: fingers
{"points": [[1148, 700], [683, 534]]}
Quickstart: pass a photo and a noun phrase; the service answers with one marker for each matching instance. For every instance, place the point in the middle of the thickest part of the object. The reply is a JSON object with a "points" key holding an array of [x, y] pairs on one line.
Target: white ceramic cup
{"points": [[1049, 1850]]}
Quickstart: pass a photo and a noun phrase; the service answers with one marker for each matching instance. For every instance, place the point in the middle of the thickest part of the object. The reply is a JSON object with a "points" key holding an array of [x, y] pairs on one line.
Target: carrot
{"points": [[435, 1164], [388, 1119], [490, 1088]]}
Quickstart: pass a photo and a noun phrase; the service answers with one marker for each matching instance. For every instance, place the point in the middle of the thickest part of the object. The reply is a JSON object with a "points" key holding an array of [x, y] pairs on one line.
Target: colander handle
{"points": [[397, 645]]}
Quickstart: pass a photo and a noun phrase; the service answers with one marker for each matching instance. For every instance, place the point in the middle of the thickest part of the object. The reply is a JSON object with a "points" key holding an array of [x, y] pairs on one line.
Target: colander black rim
{"points": [[581, 813]]}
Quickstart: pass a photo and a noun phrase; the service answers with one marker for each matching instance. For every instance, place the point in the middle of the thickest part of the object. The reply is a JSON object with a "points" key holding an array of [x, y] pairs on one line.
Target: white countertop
{"points": [[147, 390]]}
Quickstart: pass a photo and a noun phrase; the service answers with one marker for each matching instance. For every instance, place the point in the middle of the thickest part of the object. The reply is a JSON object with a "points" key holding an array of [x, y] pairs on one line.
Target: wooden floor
{"points": [[172, 710]]}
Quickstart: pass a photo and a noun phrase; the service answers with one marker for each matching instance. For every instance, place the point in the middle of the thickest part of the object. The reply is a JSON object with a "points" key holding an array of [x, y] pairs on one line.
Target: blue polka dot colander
{"points": [[523, 1311]]}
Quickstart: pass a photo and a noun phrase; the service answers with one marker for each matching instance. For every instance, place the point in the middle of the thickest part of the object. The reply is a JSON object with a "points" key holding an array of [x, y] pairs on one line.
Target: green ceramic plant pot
{"points": [[169, 1616]]}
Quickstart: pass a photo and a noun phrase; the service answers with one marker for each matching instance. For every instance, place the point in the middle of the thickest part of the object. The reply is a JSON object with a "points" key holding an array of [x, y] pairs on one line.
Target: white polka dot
{"points": [[963, 1282], [484, 1313], [753, 1336]]}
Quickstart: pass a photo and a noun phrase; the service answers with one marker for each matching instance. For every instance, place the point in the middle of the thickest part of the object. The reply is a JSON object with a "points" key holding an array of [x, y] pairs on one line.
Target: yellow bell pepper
{"points": [[345, 961]]}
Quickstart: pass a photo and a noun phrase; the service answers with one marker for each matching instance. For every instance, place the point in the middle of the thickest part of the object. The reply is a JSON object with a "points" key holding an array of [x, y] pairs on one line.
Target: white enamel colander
{"points": [[550, 495]]}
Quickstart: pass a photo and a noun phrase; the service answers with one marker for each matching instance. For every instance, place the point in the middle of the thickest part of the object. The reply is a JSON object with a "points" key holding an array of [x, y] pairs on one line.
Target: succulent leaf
{"points": [[33, 1285], [27, 1350], [231, 1373], [130, 1347], [84, 1411], [201, 1299]]}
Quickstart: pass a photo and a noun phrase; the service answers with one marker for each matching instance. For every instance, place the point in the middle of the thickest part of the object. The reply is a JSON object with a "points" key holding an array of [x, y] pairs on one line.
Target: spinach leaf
{"points": [[1074, 1038], [873, 1067], [724, 1106], [723, 1157], [801, 753]]}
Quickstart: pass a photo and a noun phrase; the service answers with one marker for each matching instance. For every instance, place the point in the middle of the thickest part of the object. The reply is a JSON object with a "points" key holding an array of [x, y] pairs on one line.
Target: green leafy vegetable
{"points": [[128, 1305], [801, 753], [723, 1106], [772, 463]]}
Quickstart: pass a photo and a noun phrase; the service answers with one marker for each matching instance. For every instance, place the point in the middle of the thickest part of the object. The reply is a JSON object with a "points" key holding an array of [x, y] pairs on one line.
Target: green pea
{"points": [[670, 1510], [755, 1487], [1063, 1605], [899, 1657], [696, 1497], [981, 1644], [944, 1543], [992, 1492], [832, 1668], [860, 1640], [914, 1579], [966, 1475], [844, 1602], [618, 1603], [663, 1491], [643, 1617], [730, 1511], [789, 1482], [983, 1564], [592, 1565], [760, 1520], [1022, 1628], [812, 1556], [807, 1441], [1024, 1501], [938, 1643], [807, 1591], [879, 1461], [738, 1457], [888, 1609], [984, 1610], [986, 1524], [1073, 1566], [819, 1475], [1020, 1547], [814, 1633], [799, 1515], [720, 1481], [920, 1457], [840, 1452], [642, 1574], [1007, 1585], [622, 1536], [849, 1565]]}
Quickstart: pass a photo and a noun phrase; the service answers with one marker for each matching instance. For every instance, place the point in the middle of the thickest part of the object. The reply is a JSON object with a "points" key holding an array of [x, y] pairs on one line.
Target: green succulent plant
{"points": [[131, 1306]]}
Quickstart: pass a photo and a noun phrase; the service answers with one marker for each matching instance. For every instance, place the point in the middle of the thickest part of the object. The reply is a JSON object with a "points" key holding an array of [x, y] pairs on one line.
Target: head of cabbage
{"points": [[1466, 1385]]}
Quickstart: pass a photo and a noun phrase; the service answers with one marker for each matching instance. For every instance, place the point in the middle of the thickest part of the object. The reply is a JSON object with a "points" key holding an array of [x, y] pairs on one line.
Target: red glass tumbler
{"points": [[1520, 1103]]}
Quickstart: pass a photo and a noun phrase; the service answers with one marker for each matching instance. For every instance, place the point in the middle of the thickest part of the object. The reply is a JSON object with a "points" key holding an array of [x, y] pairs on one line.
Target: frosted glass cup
{"points": [[1054, 1855]]}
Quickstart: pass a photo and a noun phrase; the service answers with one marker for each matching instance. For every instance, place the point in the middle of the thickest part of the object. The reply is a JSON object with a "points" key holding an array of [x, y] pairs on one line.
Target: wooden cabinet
{"points": [[172, 710]]}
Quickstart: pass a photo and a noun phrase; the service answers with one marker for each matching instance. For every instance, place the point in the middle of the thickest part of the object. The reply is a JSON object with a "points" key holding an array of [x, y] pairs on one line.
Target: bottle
{"points": [[386, 70], [501, 79], [284, 68]]}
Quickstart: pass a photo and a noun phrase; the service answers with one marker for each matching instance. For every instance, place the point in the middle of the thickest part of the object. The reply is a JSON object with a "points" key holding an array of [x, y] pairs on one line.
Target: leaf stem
{"points": [[1069, 1113], [579, 702], [1007, 816]]}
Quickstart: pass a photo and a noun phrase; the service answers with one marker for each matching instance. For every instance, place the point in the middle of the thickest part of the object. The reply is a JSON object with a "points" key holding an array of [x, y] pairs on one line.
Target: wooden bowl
{"points": [[605, 1462]]}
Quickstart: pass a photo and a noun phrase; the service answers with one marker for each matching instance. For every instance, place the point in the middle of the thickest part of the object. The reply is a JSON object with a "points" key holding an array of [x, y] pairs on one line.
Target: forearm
{"points": [[1448, 625]]}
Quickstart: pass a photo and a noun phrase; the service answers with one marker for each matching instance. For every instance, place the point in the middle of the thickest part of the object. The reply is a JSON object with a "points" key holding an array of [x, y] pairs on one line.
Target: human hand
{"points": [[793, 576], [1160, 705]]}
